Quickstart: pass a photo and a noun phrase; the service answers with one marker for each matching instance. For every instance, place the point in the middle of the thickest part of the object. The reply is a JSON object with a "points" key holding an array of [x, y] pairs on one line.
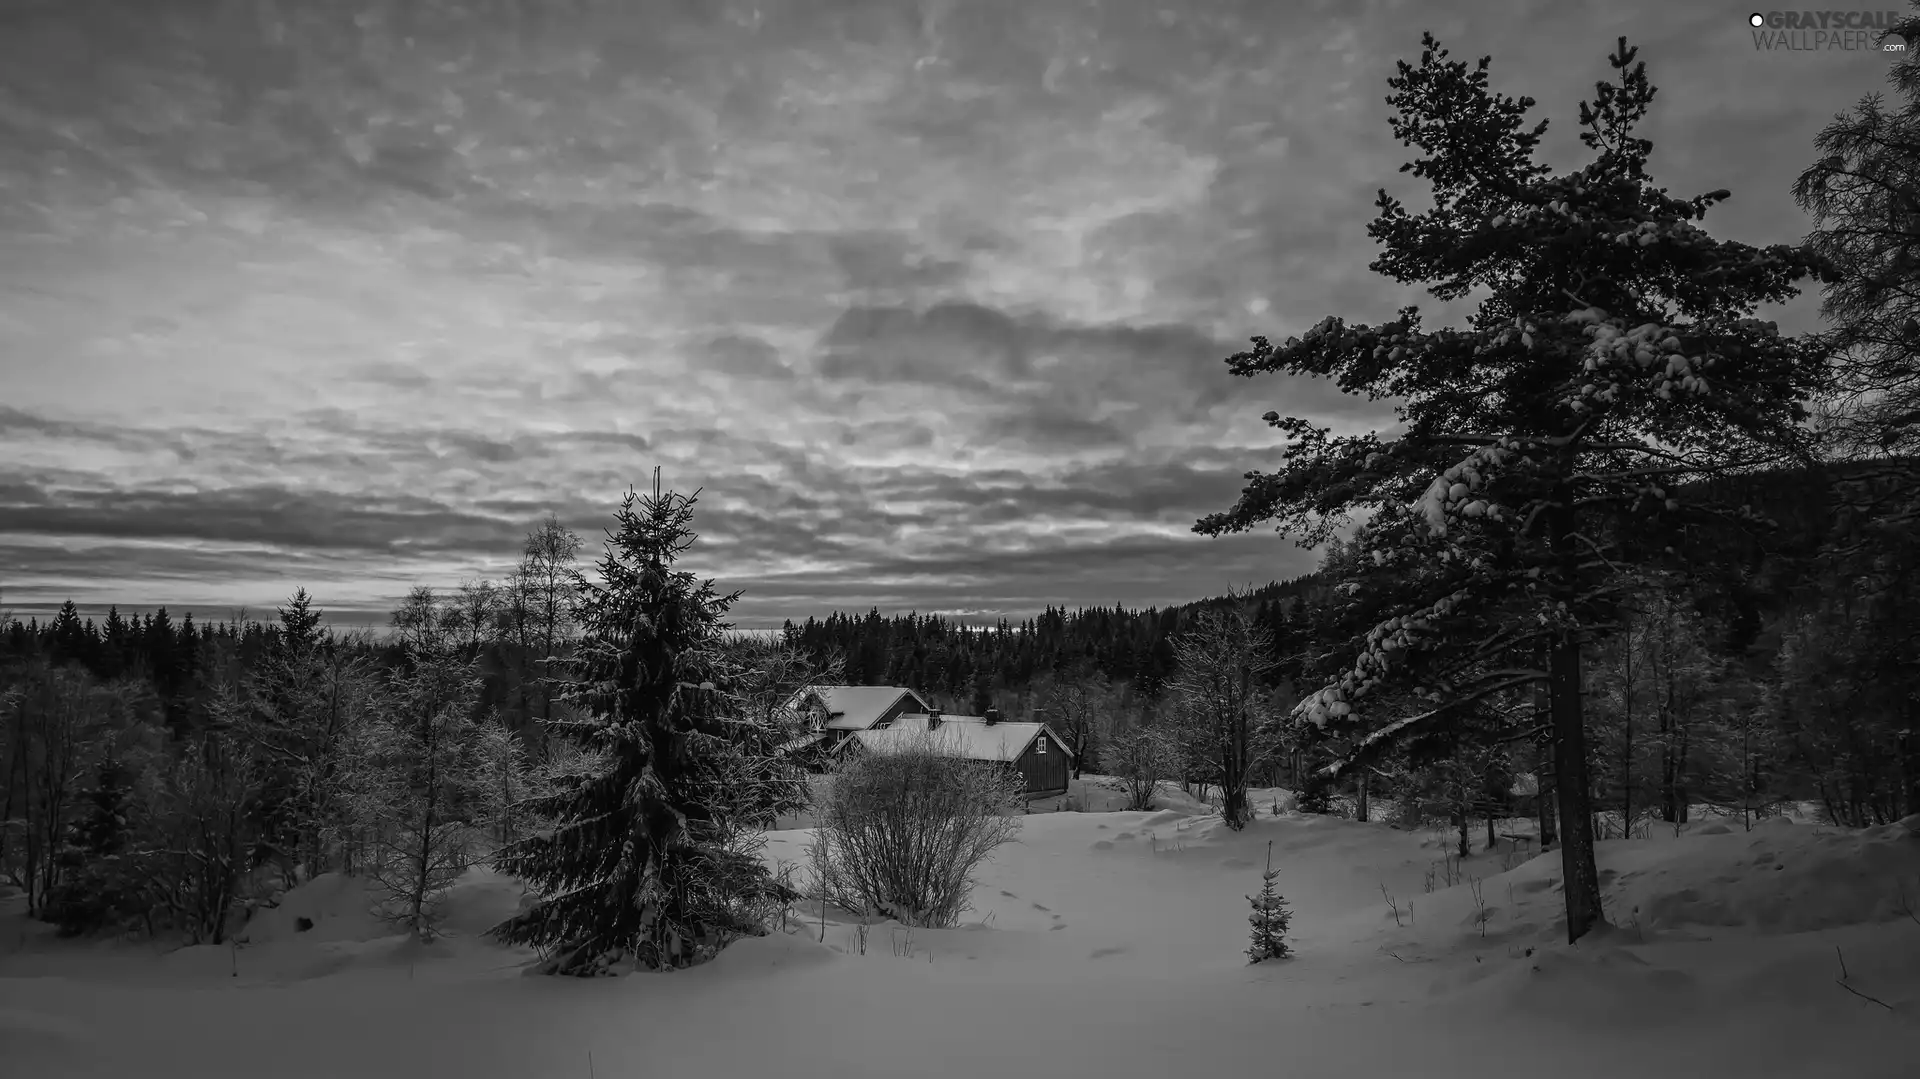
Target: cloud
{"points": [[959, 345], [274, 516], [931, 300], [744, 356]]}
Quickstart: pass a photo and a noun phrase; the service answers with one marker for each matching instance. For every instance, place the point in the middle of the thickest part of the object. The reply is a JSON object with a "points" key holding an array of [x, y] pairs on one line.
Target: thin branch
{"points": [[1842, 982]]}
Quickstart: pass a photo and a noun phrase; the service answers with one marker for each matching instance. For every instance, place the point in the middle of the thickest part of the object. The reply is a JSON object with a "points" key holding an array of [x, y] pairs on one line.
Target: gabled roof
{"points": [[969, 736], [856, 708]]}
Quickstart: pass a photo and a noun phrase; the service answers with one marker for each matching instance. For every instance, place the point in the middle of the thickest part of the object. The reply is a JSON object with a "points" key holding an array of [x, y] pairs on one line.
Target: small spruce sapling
{"points": [[1270, 917]]}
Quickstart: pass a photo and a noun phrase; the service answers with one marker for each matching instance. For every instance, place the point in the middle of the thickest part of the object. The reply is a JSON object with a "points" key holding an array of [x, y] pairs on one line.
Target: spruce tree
{"points": [[99, 888], [1270, 917], [648, 855], [1547, 448]]}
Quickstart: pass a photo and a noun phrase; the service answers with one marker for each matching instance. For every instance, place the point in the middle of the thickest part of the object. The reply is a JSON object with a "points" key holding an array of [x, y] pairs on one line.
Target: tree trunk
{"points": [[1233, 768], [1363, 803], [1580, 873], [1543, 787], [1578, 867], [1234, 805], [1671, 809], [1909, 747], [1626, 737], [1680, 793]]}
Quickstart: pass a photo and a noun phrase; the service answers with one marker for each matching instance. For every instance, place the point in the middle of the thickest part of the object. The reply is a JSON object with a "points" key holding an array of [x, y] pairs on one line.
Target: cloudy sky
{"points": [[930, 298]]}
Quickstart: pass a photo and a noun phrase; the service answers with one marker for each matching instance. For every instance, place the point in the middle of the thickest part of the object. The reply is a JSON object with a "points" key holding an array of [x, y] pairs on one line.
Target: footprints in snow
{"points": [[1058, 922]]}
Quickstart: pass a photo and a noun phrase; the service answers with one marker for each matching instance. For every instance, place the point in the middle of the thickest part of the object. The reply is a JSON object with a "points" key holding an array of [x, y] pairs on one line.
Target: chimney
{"points": [[993, 716], [933, 719]]}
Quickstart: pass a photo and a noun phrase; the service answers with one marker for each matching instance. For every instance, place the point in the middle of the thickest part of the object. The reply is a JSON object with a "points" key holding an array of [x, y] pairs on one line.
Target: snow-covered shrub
{"points": [[903, 830]]}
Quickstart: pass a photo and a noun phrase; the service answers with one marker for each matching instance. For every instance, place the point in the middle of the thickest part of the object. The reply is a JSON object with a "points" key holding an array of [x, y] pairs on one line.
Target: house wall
{"points": [[1045, 773], [905, 706]]}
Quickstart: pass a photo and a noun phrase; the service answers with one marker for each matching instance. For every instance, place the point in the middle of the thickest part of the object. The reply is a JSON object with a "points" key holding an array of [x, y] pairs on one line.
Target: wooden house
{"points": [[829, 714], [1031, 749]]}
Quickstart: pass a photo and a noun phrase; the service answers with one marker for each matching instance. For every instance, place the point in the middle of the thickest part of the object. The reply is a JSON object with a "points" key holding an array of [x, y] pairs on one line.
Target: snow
{"points": [[855, 708], [968, 736], [1106, 943]]}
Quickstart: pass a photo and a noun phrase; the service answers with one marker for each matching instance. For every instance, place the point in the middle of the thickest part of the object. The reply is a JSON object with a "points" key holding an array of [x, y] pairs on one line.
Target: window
{"points": [[1043, 746]]}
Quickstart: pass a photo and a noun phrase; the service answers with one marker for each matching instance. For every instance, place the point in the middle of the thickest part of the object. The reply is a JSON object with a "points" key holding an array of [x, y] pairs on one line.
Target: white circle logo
{"points": [[1757, 19]]}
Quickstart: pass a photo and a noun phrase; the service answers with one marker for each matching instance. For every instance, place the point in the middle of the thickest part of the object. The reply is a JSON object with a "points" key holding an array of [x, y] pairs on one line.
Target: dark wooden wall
{"points": [[1046, 773], [905, 706]]}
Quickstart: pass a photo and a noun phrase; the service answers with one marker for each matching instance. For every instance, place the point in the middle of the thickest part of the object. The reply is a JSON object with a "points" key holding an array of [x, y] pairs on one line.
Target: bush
{"points": [[902, 830], [1316, 795], [1141, 758]]}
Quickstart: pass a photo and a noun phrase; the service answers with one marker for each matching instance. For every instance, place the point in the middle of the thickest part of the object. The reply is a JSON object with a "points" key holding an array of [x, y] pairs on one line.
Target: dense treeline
{"points": [[168, 773], [967, 666], [158, 770]]}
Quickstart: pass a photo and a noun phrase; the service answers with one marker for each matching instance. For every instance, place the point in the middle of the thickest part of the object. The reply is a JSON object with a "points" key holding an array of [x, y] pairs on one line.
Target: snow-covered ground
{"points": [[1105, 944]]}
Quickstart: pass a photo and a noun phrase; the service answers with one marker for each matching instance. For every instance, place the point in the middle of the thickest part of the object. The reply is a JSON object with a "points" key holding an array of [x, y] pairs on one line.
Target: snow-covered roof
{"points": [[969, 736], [855, 708]]}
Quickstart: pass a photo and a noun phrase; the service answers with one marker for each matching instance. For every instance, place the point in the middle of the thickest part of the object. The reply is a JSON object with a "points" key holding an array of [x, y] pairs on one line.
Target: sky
{"points": [[930, 300]]}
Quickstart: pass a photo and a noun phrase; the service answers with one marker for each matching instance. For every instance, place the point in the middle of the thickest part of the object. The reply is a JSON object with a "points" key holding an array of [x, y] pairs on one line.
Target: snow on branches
{"points": [[1655, 350], [1384, 643], [1461, 489]]}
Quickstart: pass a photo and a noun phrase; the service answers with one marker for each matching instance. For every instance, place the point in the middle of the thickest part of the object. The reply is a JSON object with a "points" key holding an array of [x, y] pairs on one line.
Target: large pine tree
{"points": [[1546, 447], [647, 856]]}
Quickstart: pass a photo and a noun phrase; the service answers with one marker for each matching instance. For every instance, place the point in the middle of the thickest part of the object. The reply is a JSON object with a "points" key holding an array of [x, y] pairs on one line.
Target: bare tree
{"points": [[424, 784], [1078, 703], [206, 829], [765, 674], [1220, 689], [512, 779], [57, 714], [477, 605], [424, 621], [548, 562]]}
